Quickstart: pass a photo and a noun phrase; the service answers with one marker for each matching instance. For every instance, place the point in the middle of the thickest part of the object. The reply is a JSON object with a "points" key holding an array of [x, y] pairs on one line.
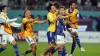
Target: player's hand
{"points": [[58, 16], [18, 17], [37, 18], [64, 22], [69, 22]]}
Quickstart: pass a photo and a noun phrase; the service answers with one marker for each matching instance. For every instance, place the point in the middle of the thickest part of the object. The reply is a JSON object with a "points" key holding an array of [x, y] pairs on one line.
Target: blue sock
{"points": [[78, 41], [64, 51], [60, 53], [73, 47], [2, 49], [52, 50], [16, 49]]}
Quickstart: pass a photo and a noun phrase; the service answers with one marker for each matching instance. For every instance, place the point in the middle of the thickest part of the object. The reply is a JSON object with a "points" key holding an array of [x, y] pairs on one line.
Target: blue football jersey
{"points": [[60, 27]]}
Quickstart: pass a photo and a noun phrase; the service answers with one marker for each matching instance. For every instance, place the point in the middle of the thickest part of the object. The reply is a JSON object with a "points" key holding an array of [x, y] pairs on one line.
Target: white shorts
{"points": [[72, 30], [7, 37], [0, 39], [30, 40], [60, 39]]}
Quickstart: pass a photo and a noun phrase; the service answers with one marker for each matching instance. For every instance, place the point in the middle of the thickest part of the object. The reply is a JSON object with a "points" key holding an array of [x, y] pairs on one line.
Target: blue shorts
{"points": [[51, 37]]}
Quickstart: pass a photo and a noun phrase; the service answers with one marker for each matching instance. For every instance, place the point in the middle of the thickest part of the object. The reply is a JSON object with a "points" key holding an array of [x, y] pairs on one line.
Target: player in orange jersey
{"points": [[27, 31]]}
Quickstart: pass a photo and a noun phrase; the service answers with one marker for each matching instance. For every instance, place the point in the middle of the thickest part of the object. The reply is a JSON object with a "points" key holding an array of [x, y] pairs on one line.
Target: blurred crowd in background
{"points": [[41, 4], [82, 5]]}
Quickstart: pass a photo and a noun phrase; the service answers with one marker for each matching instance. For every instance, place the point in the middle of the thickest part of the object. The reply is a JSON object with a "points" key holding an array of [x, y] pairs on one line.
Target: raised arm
{"points": [[4, 20], [41, 22], [14, 24]]}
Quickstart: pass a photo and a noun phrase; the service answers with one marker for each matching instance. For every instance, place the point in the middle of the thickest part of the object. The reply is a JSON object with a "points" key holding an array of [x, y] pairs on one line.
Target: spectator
{"points": [[30, 4], [98, 23]]}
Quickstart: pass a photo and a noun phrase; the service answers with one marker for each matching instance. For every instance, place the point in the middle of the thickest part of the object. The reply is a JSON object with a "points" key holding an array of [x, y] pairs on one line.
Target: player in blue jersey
{"points": [[60, 32]]}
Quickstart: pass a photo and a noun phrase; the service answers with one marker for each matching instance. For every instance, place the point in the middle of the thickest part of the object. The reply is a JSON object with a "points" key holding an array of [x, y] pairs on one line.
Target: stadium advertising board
{"points": [[85, 37]]}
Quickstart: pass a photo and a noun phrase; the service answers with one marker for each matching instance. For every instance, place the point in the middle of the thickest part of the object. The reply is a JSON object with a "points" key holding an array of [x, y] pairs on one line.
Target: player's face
{"points": [[73, 5], [27, 13], [53, 9], [5, 9], [62, 11]]}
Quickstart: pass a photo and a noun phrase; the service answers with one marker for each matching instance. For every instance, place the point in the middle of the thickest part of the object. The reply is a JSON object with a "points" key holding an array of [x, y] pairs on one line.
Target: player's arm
{"points": [[41, 22], [52, 19], [14, 24], [32, 20], [63, 17], [3, 20], [11, 20], [77, 16]]}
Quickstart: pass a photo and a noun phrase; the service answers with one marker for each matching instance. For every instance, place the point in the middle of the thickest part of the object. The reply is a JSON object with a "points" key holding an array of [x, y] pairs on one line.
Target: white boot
{"points": [[70, 55], [82, 49]]}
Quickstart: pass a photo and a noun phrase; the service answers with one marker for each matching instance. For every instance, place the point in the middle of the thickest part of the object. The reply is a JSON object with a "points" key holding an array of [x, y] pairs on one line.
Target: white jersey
{"points": [[10, 21]]}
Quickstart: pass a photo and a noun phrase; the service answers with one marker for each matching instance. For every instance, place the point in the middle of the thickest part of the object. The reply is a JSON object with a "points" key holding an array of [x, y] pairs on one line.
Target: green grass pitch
{"points": [[92, 49]]}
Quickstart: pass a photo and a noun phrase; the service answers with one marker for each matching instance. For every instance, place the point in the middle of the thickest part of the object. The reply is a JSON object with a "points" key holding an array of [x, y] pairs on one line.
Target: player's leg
{"points": [[64, 49], [64, 52], [27, 51], [51, 44], [73, 46], [60, 51], [33, 46], [3, 42], [77, 39], [32, 43], [51, 40], [61, 40], [13, 42]]}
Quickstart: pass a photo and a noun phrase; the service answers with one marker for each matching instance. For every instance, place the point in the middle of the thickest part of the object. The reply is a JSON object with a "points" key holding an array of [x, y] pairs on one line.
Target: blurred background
{"points": [[89, 11]]}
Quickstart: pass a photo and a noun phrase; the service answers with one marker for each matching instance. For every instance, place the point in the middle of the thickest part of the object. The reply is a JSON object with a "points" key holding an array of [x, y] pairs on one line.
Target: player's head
{"points": [[51, 8], [72, 5], [3, 8], [27, 13], [62, 10], [57, 5]]}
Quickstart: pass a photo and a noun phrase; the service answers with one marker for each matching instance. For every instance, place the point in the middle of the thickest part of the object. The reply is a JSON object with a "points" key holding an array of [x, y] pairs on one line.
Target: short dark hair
{"points": [[56, 4], [49, 6], [24, 13], [71, 2], [62, 7], [2, 7]]}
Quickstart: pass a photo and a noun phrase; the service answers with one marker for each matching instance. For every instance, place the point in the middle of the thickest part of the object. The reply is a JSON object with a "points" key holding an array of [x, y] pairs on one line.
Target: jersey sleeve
{"points": [[50, 18], [24, 21], [34, 22], [14, 24]]}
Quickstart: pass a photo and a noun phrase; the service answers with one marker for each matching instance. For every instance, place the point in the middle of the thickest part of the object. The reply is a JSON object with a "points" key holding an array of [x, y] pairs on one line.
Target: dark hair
{"points": [[71, 2], [24, 13], [49, 6], [62, 7], [56, 4], [2, 7]]}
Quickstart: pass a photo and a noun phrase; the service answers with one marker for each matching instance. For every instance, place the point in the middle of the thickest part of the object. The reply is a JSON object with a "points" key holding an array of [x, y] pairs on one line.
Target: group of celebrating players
{"points": [[60, 20]]}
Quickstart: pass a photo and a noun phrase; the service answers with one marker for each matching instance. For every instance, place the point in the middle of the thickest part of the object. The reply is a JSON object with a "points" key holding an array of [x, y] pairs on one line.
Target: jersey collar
{"points": [[4, 13]]}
